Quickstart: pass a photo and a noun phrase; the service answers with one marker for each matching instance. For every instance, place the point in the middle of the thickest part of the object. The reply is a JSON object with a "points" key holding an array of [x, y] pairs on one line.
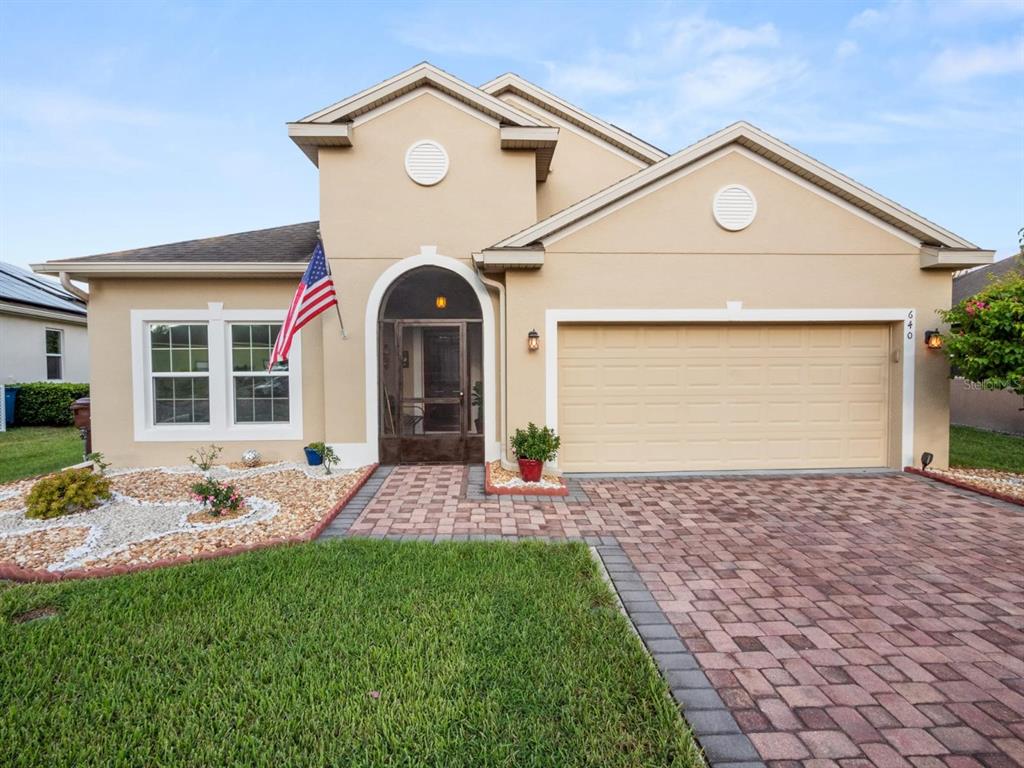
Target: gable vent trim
{"points": [[734, 207], [426, 162]]}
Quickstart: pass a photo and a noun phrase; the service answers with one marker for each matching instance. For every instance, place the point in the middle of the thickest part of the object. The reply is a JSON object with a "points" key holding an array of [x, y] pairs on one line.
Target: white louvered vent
{"points": [[734, 207], [426, 162]]}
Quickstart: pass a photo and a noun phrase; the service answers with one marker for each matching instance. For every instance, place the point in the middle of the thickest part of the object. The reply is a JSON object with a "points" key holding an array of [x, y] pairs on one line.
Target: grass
{"points": [[30, 451], [483, 654], [970, 447]]}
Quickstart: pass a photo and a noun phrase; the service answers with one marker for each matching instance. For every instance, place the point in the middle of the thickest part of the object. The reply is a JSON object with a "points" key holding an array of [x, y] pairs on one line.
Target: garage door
{"points": [[704, 397]]}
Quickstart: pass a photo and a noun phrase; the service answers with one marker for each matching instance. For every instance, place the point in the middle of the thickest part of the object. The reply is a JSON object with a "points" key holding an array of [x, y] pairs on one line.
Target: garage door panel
{"points": [[661, 398]]}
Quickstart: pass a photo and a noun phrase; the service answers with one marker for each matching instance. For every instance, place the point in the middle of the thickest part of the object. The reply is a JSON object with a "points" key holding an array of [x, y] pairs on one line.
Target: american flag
{"points": [[314, 294]]}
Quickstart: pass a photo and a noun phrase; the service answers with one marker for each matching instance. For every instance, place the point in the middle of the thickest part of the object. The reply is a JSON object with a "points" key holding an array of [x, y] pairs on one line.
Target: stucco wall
{"points": [[23, 349], [111, 302], [666, 251], [373, 215]]}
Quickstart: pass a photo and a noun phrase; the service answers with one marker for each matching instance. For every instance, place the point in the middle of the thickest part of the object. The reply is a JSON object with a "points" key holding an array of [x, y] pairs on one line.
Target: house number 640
{"points": [[910, 324]]}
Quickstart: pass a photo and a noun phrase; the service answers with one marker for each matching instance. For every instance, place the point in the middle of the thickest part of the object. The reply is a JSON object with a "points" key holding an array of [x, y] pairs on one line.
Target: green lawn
{"points": [[30, 451], [483, 654], [970, 447]]}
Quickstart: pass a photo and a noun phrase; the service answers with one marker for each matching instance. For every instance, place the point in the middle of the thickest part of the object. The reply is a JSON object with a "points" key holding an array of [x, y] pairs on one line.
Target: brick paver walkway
{"points": [[846, 621]]}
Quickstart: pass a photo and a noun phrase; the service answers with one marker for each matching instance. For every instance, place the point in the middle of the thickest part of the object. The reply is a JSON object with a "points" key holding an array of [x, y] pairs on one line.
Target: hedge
{"points": [[46, 403]]}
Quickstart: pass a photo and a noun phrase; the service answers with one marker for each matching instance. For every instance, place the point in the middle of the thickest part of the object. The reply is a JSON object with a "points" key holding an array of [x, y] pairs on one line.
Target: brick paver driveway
{"points": [[857, 620]]}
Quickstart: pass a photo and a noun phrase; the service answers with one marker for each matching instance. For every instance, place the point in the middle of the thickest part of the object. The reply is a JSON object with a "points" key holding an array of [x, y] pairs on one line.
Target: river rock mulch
{"points": [[1009, 484], [151, 516], [507, 481]]}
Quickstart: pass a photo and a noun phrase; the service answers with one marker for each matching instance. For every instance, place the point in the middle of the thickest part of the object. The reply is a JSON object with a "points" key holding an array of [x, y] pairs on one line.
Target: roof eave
{"points": [[503, 259], [82, 271], [24, 309], [954, 258], [310, 137]]}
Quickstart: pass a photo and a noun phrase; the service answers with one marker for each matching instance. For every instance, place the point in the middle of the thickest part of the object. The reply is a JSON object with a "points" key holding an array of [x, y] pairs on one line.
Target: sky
{"points": [[135, 123]]}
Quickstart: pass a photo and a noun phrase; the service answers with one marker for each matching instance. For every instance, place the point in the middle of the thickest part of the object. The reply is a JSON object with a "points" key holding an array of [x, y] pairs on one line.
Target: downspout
{"points": [[74, 290], [502, 332]]}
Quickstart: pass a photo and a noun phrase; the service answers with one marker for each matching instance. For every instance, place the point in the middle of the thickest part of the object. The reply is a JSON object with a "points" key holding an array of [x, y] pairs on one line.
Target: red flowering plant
{"points": [[985, 343], [217, 497]]}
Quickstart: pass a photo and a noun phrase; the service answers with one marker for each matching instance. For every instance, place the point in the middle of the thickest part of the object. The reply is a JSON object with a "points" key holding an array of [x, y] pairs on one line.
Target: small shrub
{"points": [[65, 493], [217, 497], [47, 403], [98, 462], [539, 444], [326, 453], [205, 457]]}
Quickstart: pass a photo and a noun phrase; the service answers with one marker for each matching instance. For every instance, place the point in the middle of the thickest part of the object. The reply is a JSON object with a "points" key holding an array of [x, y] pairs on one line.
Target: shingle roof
{"points": [[294, 242], [970, 283], [19, 286]]}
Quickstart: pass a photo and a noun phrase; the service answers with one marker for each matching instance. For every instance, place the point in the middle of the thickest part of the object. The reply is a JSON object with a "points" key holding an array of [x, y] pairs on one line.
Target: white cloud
{"points": [[846, 49], [589, 79], [958, 65], [967, 11]]}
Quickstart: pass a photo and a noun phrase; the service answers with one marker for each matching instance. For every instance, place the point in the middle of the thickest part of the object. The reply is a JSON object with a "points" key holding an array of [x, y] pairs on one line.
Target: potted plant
{"points": [[321, 453], [476, 399], [532, 447]]}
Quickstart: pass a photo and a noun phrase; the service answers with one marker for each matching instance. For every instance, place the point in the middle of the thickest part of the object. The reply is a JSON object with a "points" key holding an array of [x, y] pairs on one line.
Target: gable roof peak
{"points": [[510, 82], [418, 76], [752, 138]]}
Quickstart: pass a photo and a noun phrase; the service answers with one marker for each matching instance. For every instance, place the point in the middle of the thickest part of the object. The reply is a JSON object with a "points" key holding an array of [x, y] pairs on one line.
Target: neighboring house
{"points": [[735, 305], [42, 330], [969, 404]]}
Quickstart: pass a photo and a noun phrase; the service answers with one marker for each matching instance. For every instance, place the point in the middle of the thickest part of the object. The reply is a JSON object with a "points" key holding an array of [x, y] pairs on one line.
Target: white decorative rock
{"points": [[251, 458]]}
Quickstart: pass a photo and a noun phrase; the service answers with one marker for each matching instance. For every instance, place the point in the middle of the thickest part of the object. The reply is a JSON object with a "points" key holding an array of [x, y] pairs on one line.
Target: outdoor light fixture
{"points": [[441, 302], [926, 459], [533, 340], [933, 339]]}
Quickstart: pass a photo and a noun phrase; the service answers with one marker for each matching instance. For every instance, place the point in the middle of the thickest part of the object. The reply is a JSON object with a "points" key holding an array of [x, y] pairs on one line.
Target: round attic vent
{"points": [[426, 162], [734, 207]]}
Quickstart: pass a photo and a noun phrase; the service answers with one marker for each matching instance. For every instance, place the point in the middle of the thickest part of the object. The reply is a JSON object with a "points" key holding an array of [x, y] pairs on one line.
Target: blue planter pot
{"points": [[313, 458]]}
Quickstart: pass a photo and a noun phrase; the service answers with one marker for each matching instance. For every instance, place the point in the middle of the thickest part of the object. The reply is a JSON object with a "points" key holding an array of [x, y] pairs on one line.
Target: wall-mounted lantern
{"points": [[441, 302], [933, 339], [533, 340]]}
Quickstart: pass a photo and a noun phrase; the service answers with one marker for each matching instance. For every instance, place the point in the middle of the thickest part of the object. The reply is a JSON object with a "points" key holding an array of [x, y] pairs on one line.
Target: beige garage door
{"points": [[704, 397]]}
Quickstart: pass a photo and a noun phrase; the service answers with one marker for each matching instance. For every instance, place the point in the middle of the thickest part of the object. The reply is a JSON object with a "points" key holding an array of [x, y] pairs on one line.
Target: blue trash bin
{"points": [[10, 396]]}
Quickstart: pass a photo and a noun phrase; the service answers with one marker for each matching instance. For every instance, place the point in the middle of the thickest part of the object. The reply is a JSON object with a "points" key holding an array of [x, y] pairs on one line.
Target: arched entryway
{"points": [[430, 369]]}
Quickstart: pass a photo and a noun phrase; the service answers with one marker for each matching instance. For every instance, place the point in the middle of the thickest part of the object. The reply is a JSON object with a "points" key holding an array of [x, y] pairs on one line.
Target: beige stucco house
{"points": [[502, 257]]}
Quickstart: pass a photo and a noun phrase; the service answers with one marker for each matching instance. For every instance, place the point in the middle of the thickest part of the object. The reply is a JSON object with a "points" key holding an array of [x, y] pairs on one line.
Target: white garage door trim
{"points": [[734, 313]]}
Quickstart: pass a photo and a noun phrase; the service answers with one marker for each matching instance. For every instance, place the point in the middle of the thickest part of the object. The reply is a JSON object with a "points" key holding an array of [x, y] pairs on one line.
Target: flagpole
{"points": [[337, 304]]}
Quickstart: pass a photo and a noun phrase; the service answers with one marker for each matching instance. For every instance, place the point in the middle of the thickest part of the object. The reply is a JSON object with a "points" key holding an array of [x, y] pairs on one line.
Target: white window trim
{"points": [[48, 355], [221, 427], [734, 313], [233, 374]]}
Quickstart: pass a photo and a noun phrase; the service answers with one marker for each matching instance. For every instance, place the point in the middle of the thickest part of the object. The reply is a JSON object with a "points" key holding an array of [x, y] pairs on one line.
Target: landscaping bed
{"points": [[1008, 486], [153, 518], [353, 653], [499, 480]]}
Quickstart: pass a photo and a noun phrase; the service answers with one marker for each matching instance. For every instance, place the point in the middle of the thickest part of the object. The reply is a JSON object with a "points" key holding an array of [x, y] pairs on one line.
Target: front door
{"points": [[432, 391]]}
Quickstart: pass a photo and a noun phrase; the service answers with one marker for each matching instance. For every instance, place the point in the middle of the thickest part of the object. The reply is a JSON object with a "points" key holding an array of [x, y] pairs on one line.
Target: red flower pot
{"points": [[530, 470]]}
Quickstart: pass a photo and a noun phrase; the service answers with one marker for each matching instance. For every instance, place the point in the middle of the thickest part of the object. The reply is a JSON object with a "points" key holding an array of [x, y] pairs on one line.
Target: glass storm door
{"points": [[432, 390]]}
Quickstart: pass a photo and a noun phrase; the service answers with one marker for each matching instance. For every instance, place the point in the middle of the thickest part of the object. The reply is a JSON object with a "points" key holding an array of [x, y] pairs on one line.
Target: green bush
{"points": [[985, 343], [217, 497], [65, 493], [536, 443], [47, 403]]}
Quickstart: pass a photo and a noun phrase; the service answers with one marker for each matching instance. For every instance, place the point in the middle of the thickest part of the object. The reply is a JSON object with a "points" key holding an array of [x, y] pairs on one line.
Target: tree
{"points": [[985, 343]]}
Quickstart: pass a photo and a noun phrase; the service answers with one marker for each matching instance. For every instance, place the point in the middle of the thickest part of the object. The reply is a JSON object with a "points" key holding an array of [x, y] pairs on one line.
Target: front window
{"points": [[259, 397], [180, 371], [54, 354]]}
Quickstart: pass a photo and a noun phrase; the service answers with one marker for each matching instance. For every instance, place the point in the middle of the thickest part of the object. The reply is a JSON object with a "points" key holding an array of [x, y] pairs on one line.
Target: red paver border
{"points": [[521, 490], [17, 573], [965, 486]]}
